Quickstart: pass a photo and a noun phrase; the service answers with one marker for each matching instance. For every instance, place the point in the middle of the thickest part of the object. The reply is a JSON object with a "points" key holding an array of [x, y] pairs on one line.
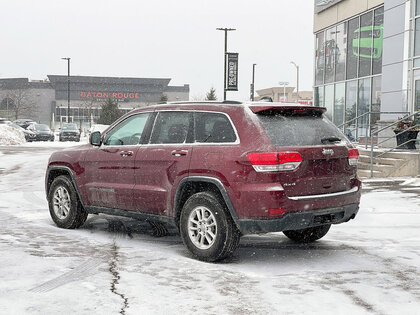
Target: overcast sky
{"points": [[159, 39]]}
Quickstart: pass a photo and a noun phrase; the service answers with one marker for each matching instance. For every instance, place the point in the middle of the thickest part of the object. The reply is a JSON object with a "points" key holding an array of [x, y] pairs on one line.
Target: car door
{"points": [[163, 162], [109, 168]]}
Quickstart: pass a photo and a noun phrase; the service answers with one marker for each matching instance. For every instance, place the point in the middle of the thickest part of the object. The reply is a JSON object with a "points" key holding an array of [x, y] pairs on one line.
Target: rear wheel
{"points": [[65, 208], [308, 235], [207, 229]]}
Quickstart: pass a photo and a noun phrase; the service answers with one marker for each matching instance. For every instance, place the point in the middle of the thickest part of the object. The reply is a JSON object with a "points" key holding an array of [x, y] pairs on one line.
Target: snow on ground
{"points": [[10, 135], [113, 265]]}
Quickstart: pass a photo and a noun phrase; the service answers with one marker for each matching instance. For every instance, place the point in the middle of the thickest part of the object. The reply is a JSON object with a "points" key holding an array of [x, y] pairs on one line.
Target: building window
{"points": [[365, 35], [340, 90], [330, 52], [352, 48], [417, 38], [329, 100], [363, 106], [341, 52], [319, 59], [378, 36], [376, 98], [351, 109], [319, 96]]}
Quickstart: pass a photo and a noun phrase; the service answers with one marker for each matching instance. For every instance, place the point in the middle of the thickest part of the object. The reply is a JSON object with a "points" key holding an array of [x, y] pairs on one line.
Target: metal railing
{"points": [[391, 125], [373, 130]]}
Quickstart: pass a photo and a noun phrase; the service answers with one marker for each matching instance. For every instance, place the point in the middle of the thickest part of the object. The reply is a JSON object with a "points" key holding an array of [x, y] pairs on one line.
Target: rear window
{"points": [[298, 130]]}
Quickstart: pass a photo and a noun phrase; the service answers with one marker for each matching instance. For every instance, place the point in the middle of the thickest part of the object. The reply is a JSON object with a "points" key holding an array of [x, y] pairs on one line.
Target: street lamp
{"points": [[224, 75], [284, 83], [297, 81], [253, 81], [68, 88]]}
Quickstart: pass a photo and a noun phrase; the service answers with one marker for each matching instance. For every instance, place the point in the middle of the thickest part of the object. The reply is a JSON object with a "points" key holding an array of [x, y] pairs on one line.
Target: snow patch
{"points": [[11, 136]]}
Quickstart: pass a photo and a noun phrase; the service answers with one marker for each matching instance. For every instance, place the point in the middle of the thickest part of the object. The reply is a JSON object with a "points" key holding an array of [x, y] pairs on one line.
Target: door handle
{"points": [[126, 153], [179, 152]]}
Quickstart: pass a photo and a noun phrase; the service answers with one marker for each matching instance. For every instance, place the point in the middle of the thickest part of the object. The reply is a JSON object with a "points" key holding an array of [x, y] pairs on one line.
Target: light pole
{"points": [[224, 75], [253, 81], [284, 83], [297, 81], [68, 88]]}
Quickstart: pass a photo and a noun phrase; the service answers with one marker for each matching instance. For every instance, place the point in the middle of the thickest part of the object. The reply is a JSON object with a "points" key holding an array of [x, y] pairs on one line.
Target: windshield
{"points": [[70, 127], [41, 127]]}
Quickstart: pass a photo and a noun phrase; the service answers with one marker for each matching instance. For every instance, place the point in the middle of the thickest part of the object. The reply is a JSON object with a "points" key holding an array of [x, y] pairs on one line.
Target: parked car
{"points": [[41, 132], [4, 121], [24, 123], [215, 171], [28, 133], [69, 132]]}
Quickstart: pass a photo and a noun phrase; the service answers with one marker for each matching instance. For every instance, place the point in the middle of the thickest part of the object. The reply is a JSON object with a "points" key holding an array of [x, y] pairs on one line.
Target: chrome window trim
{"points": [[323, 196]]}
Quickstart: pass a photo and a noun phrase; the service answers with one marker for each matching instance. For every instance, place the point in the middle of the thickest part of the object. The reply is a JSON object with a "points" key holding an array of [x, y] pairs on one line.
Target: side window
{"points": [[171, 127], [213, 128], [127, 132]]}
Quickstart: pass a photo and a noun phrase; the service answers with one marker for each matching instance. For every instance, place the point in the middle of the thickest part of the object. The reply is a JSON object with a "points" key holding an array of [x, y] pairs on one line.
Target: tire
{"points": [[221, 237], [308, 235], [65, 208]]}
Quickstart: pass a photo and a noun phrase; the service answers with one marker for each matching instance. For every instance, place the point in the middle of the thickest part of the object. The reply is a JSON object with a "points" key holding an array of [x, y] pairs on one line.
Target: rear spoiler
{"points": [[268, 109]]}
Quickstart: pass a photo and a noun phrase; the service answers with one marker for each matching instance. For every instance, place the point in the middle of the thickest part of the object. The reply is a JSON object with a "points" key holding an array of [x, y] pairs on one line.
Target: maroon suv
{"points": [[216, 171]]}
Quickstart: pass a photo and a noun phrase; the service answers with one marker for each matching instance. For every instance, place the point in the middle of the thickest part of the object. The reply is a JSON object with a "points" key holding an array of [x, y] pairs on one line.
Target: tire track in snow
{"points": [[88, 268]]}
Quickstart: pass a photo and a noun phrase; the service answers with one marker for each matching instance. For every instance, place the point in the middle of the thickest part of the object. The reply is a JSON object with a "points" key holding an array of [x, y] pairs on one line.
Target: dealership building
{"points": [[45, 100], [367, 58]]}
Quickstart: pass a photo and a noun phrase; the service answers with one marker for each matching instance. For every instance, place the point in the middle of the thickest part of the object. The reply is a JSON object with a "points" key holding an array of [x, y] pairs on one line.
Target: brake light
{"points": [[353, 157], [275, 161], [277, 211]]}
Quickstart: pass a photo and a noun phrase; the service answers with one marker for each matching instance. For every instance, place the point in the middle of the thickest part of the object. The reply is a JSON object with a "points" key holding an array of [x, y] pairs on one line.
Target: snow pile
{"points": [[11, 136]]}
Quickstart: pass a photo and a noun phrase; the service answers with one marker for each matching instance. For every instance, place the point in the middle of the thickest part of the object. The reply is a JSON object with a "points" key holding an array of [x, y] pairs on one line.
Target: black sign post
{"points": [[231, 83]]}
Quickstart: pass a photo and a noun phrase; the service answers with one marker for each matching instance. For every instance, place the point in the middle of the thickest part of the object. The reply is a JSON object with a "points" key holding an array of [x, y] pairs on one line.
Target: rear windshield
{"points": [[300, 130]]}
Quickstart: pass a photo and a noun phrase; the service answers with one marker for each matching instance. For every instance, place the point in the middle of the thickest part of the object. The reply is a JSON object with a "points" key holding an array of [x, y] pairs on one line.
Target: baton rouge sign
{"points": [[113, 95]]}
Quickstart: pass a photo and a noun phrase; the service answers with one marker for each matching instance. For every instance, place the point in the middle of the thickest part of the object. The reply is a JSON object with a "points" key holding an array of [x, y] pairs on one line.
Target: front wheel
{"points": [[65, 207], [308, 235], [207, 229]]}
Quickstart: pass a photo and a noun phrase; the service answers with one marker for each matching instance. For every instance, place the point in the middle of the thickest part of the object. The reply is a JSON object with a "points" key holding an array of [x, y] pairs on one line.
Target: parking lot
{"points": [[114, 265]]}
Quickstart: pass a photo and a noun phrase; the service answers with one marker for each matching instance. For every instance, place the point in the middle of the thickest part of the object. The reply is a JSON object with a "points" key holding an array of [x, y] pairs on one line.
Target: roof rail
{"points": [[205, 102]]}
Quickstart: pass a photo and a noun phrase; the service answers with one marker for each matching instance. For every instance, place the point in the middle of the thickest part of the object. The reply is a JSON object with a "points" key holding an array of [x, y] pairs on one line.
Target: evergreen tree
{"points": [[164, 98], [109, 112], [211, 95]]}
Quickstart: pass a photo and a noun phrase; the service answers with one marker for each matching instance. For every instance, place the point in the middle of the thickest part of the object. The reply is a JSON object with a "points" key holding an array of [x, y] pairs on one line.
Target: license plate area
{"points": [[329, 218]]}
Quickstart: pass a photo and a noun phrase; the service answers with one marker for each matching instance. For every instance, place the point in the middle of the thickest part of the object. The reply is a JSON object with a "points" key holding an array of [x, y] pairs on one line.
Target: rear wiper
{"points": [[330, 139]]}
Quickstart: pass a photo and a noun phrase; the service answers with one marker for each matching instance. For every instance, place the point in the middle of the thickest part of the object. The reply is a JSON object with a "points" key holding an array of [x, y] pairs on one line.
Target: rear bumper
{"points": [[299, 220]]}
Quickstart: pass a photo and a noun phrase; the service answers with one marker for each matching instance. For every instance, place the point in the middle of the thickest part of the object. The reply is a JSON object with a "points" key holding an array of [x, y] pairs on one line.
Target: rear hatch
{"points": [[324, 150]]}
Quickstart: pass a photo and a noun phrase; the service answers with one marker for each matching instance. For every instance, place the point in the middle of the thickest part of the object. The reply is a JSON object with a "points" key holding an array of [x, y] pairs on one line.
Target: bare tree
{"points": [[23, 104], [90, 104]]}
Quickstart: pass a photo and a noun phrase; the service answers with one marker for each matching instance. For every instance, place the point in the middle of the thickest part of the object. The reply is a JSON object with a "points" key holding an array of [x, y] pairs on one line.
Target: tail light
{"points": [[353, 157], [275, 161]]}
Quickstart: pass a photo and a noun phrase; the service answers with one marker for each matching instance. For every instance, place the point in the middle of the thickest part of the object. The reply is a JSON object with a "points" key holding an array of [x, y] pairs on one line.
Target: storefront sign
{"points": [[305, 102], [113, 95], [321, 5], [232, 72]]}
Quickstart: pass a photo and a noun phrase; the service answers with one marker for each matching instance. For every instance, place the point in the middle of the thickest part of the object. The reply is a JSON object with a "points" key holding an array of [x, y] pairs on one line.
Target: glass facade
{"points": [[348, 67], [80, 115]]}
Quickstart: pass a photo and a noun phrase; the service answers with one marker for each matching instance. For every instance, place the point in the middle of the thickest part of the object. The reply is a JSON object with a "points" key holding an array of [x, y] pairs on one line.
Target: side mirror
{"points": [[95, 138]]}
